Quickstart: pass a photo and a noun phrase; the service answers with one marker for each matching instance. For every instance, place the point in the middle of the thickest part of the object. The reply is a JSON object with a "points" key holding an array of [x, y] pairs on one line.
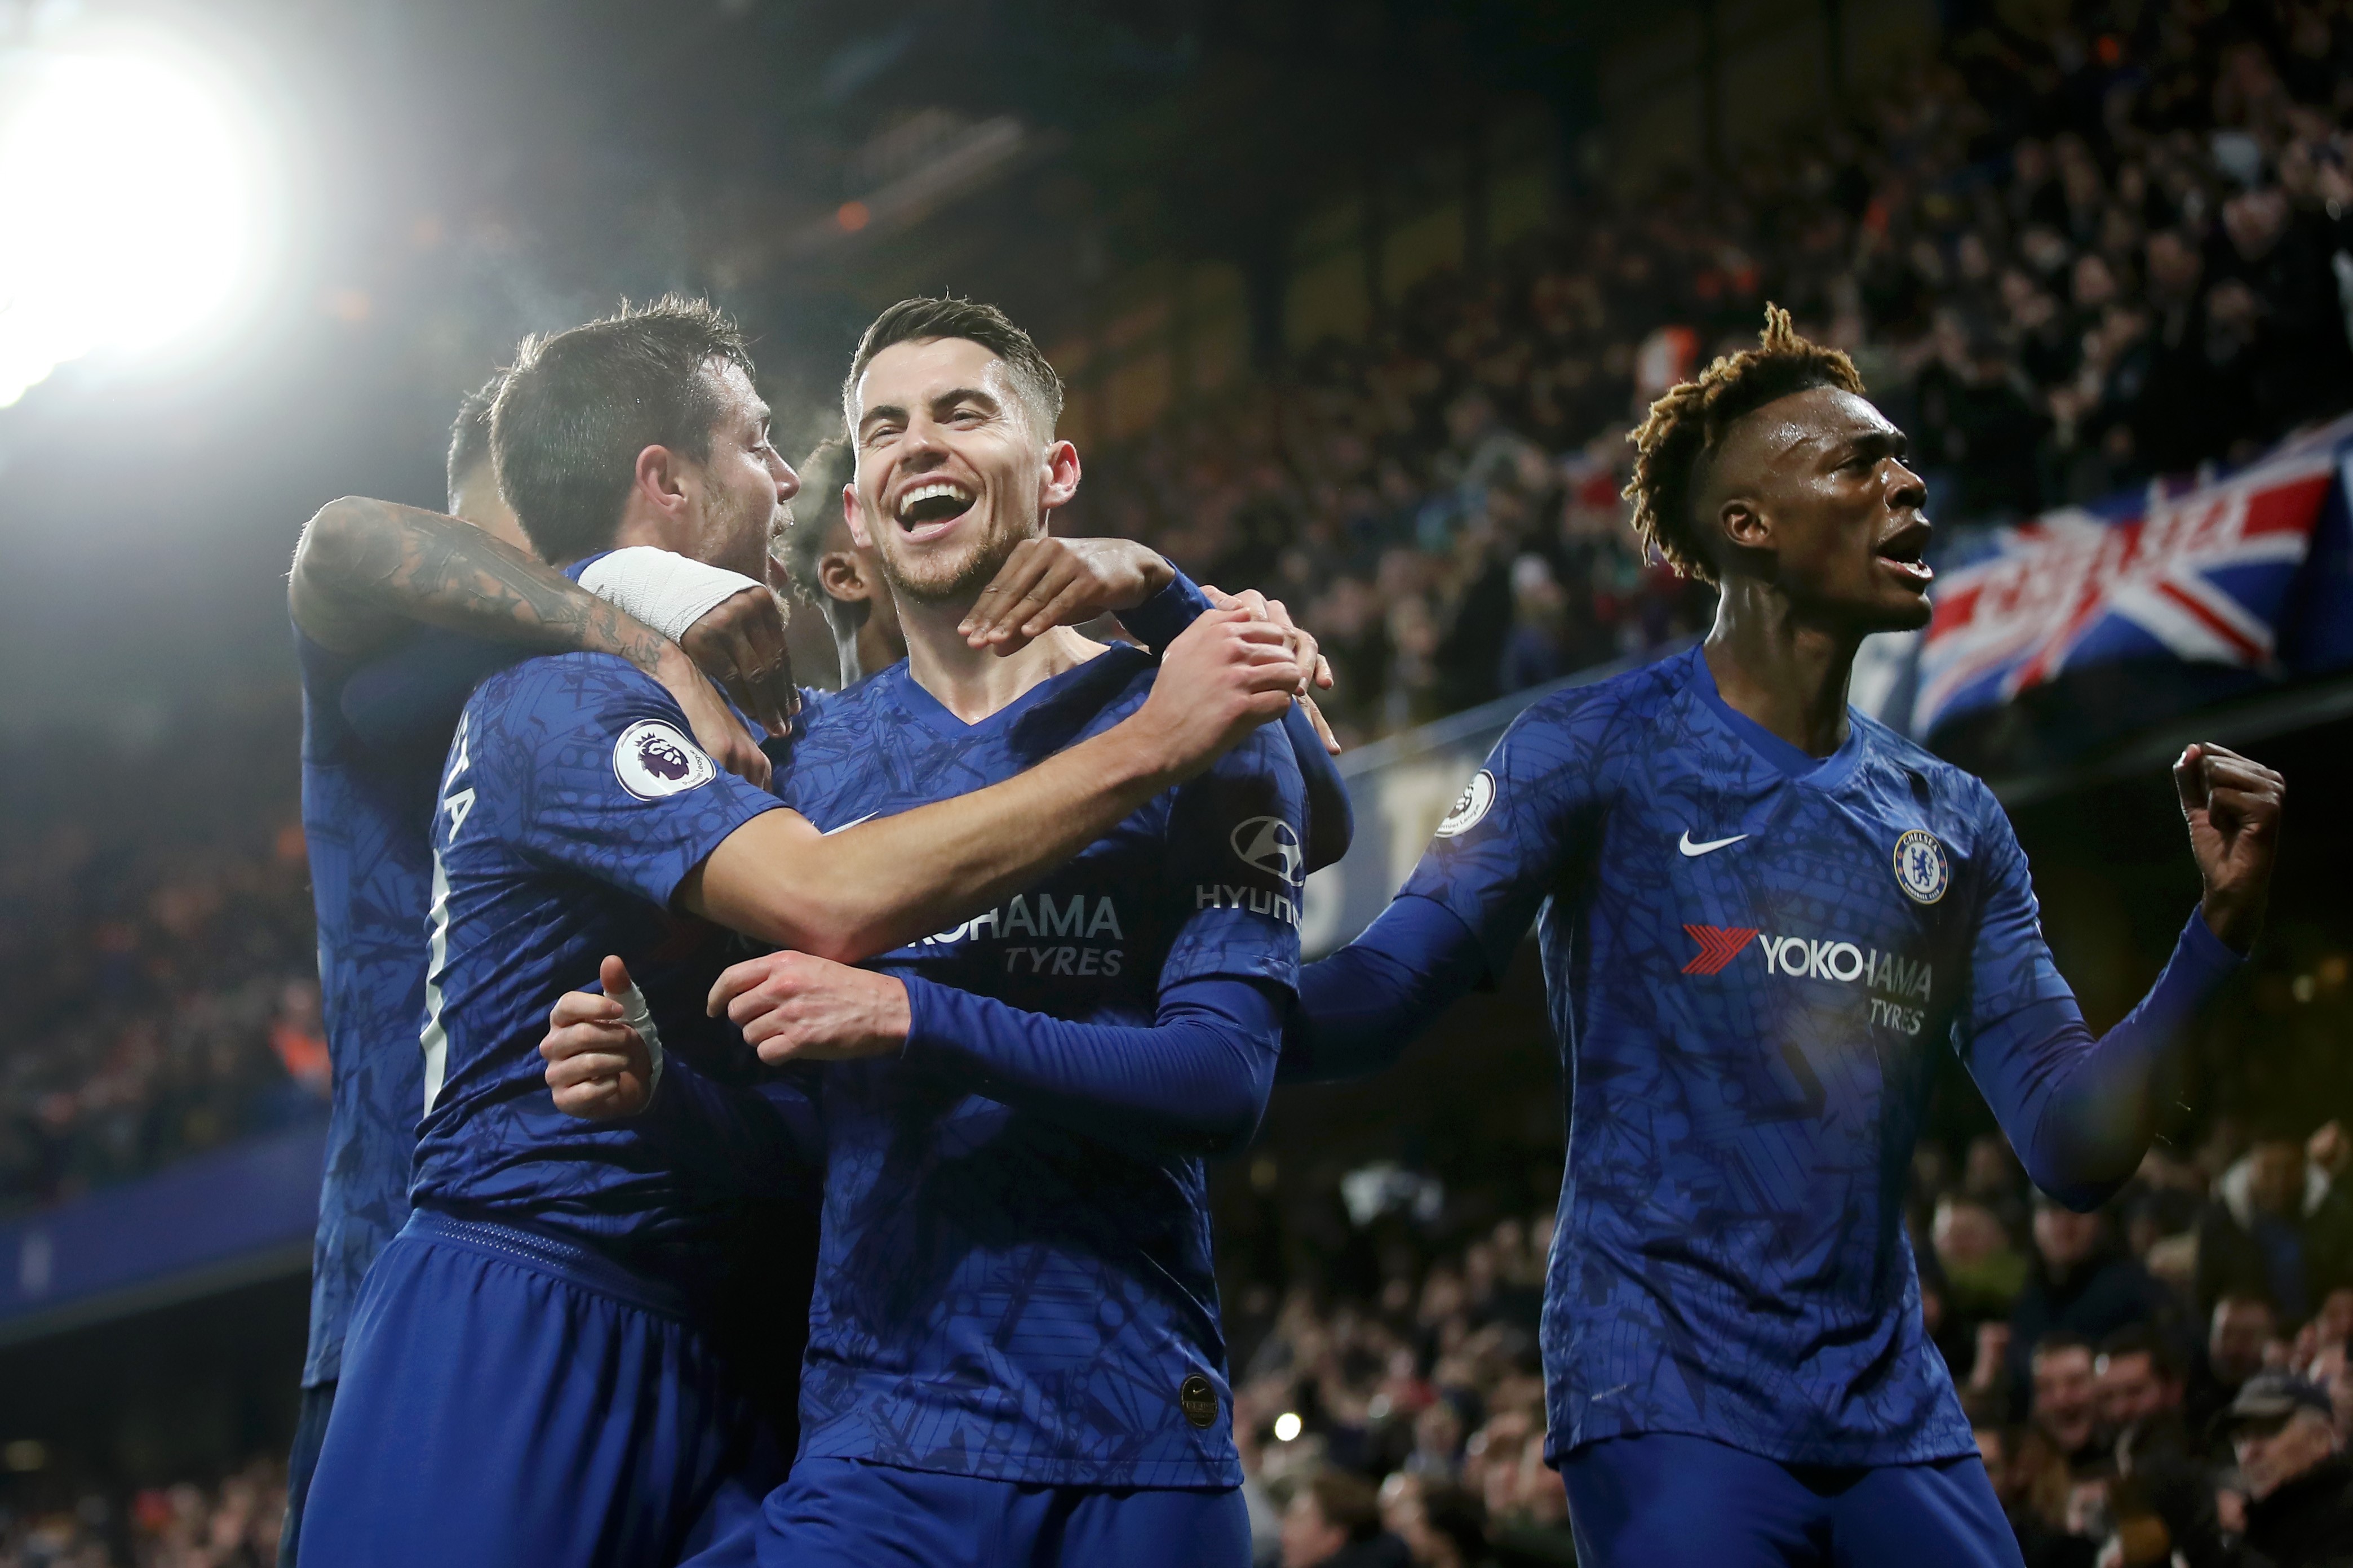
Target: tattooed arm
{"points": [[364, 569]]}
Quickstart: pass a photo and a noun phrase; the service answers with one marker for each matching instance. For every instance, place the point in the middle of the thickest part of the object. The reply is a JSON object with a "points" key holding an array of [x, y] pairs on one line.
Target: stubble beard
{"points": [[948, 583]]}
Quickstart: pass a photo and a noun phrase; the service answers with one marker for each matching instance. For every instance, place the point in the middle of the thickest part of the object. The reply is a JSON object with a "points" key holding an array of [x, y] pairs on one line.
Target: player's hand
{"points": [[1304, 648], [1304, 651], [717, 729], [2232, 807], [739, 643], [597, 1067], [1048, 582], [793, 1007], [1226, 676]]}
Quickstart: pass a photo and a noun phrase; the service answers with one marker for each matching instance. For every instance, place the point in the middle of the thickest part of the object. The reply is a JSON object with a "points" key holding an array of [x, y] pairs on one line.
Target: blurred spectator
{"points": [[1983, 1272], [1539, 647], [2239, 1339], [1335, 1522], [2299, 1509], [1441, 1525], [2083, 1283], [2065, 1408], [2030, 1479], [2138, 1382], [2280, 1226]]}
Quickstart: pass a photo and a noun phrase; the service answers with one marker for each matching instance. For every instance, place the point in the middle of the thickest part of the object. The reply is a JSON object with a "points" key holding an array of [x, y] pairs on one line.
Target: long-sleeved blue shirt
{"points": [[1752, 956]]}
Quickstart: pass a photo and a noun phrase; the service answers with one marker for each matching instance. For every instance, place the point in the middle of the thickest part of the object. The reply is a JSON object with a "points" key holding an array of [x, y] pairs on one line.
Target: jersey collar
{"points": [[928, 710], [1790, 762]]}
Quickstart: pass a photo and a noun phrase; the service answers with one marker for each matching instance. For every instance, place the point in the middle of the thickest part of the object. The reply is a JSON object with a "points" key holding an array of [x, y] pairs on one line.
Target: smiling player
{"points": [[1015, 1354], [1762, 916]]}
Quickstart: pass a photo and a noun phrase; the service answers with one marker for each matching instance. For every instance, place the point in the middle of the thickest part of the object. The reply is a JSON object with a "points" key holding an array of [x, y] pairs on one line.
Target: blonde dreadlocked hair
{"points": [[1690, 422]]}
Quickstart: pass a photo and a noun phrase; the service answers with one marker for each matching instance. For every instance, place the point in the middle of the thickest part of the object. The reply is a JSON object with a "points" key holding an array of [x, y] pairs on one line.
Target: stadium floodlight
{"points": [[1286, 1426], [136, 194]]}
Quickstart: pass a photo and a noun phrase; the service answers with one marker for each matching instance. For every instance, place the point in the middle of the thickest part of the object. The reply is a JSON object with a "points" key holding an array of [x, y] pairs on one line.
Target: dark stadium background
{"points": [[1227, 223]]}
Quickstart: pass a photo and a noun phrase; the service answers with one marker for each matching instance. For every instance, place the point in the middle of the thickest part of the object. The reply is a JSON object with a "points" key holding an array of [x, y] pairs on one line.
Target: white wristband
{"points": [[669, 592], [639, 1017]]}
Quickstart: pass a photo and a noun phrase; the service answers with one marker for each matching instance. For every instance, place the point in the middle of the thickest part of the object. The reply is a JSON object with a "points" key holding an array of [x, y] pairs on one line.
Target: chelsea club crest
{"points": [[1921, 868]]}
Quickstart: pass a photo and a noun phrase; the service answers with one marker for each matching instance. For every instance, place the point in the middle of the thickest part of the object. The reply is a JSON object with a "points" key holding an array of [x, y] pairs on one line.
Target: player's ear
{"points": [[660, 481], [1061, 477], [839, 574], [1742, 523], [854, 517]]}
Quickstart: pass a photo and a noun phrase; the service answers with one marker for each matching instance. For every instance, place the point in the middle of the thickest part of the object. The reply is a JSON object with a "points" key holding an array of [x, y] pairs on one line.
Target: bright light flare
{"points": [[1286, 1426], [136, 205]]}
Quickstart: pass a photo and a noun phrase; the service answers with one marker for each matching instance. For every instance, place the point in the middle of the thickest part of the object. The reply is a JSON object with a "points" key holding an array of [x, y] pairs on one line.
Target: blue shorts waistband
{"points": [[563, 1258]]}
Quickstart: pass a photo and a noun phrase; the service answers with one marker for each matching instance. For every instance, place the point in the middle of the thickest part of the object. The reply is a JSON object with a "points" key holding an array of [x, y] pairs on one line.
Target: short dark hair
{"points": [[2057, 1342], [922, 320], [1688, 425], [469, 433], [581, 405], [1457, 1515], [816, 511], [2140, 1339], [1347, 1503]]}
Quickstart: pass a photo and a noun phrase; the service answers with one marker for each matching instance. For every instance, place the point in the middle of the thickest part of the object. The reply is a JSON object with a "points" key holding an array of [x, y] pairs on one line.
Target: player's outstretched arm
{"points": [[365, 568], [1361, 1008], [1532, 810], [2081, 1111], [879, 885], [1193, 1081]]}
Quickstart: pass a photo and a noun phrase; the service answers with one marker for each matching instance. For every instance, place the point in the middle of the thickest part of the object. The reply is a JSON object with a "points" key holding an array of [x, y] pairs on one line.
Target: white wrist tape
{"points": [[669, 592], [639, 1017]]}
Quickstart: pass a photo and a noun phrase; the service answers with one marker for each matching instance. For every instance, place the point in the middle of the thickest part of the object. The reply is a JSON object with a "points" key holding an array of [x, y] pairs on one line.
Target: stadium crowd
{"points": [[2168, 1376], [2066, 258], [231, 1524], [157, 947]]}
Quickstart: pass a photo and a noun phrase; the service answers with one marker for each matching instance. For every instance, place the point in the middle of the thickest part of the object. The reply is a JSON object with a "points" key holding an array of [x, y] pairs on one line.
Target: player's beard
{"points": [[931, 580]]}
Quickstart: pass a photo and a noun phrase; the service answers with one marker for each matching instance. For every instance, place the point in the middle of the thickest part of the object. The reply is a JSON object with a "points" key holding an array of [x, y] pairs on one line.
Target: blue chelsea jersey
{"points": [[365, 817], [1753, 957], [573, 803], [1000, 1294]]}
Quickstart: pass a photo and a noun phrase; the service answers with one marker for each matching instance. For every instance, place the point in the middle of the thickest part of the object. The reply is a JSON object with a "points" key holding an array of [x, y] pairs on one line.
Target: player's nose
{"points": [[1907, 490], [788, 482]]}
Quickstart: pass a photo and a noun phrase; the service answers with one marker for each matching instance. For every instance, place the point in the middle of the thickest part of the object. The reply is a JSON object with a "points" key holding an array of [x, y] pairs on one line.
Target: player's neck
{"points": [[972, 683], [1773, 666]]}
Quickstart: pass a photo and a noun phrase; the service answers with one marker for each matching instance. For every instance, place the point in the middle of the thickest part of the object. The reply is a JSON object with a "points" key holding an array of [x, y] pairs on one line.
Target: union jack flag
{"points": [[2201, 573]]}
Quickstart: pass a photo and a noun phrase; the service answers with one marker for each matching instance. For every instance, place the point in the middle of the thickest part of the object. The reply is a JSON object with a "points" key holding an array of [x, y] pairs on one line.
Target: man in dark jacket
{"points": [[2299, 1485], [2084, 1283]]}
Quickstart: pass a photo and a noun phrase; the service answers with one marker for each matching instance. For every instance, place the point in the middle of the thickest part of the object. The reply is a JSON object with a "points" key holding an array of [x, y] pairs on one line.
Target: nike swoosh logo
{"points": [[1691, 850]]}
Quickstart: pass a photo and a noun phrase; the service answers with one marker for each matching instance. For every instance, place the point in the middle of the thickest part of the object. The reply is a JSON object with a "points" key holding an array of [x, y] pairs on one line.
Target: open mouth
{"points": [[1905, 552], [931, 509]]}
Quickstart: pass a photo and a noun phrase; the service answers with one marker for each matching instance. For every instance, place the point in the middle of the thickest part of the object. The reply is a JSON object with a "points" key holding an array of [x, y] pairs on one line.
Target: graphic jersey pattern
{"points": [[999, 1294], [365, 814], [575, 802], [1748, 1035]]}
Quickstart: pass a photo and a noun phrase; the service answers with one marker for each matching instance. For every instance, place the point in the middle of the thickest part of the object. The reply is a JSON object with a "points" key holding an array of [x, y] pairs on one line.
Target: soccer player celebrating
{"points": [[1762, 914], [527, 1376], [1015, 1354], [380, 698]]}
